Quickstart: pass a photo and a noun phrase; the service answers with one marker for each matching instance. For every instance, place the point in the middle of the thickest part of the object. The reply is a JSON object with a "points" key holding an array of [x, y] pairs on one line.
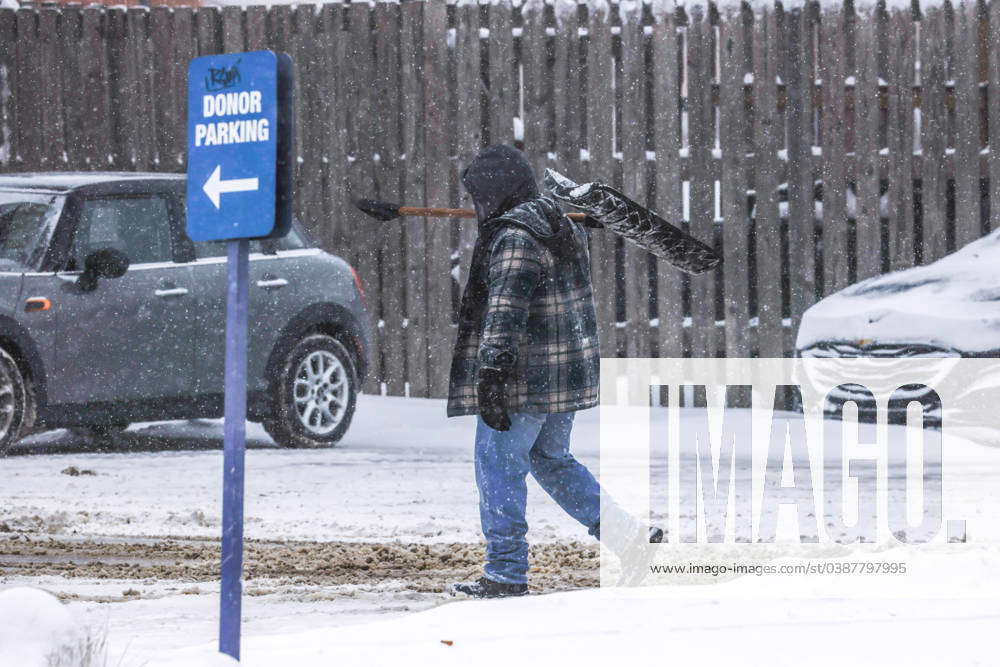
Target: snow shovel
{"points": [[634, 222], [603, 206]]}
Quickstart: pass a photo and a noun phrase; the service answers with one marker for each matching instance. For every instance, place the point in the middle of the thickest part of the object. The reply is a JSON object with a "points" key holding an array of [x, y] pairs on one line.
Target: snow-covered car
{"points": [[950, 308], [109, 315]]}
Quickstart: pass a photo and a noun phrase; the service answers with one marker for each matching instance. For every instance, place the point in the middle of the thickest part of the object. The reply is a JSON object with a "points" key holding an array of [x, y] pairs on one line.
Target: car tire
{"points": [[314, 394], [17, 402]]}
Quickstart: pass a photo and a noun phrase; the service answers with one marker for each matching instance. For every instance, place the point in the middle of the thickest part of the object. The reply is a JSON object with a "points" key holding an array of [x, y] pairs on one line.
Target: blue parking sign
{"points": [[239, 141], [239, 187]]}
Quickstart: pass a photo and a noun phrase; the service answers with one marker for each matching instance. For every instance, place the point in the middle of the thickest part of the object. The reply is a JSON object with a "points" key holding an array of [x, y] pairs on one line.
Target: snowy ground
{"points": [[373, 486], [638, 627], [350, 549], [134, 545]]}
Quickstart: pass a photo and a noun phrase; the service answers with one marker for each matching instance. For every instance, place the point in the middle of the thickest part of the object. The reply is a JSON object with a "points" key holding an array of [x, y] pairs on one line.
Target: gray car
{"points": [[109, 315]]}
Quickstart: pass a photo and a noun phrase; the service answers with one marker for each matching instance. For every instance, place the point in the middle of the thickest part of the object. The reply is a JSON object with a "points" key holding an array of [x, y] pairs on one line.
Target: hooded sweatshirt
{"points": [[498, 179], [527, 307]]}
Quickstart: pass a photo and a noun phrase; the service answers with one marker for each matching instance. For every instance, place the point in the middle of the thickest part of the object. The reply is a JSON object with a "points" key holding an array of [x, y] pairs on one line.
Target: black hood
{"points": [[499, 178]]}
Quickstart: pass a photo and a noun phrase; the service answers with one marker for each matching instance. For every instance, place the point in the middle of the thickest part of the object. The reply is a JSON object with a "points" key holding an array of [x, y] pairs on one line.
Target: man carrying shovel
{"points": [[527, 355]]}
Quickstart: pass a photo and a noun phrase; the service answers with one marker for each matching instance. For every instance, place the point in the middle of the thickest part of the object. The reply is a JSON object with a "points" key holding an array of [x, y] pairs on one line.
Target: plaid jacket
{"points": [[538, 318]]}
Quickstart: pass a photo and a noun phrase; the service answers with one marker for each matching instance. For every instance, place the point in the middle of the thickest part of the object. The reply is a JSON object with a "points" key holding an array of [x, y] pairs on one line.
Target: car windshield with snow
{"points": [[110, 315]]}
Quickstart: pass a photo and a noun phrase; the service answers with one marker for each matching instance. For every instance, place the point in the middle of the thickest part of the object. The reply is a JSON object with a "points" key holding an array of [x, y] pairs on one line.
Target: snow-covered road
{"points": [[403, 472]]}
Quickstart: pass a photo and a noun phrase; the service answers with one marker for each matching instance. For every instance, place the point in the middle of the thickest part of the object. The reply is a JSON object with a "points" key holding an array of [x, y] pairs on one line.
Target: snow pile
{"points": [[953, 303], [36, 629]]}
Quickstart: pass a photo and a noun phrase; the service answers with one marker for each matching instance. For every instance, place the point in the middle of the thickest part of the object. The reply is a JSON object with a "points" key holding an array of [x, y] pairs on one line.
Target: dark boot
{"points": [[655, 534], [487, 588]]}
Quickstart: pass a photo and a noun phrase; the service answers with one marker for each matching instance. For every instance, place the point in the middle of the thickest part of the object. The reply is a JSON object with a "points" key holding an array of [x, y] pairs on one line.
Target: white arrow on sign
{"points": [[215, 186]]}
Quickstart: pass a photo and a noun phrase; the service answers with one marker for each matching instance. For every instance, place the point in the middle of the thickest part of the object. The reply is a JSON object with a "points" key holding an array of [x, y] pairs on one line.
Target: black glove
{"points": [[492, 394]]}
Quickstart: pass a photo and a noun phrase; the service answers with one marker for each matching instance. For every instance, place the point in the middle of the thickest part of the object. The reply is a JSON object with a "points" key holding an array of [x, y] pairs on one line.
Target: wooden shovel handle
{"points": [[420, 212]]}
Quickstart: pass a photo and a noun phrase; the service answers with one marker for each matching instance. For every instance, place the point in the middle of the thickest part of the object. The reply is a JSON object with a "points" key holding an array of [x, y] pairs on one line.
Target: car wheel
{"points": [[17, 404], [314, 395]]}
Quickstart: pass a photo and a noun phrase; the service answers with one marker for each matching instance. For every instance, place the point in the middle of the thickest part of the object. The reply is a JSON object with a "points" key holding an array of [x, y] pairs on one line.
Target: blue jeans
{"points": [[539, 444]]}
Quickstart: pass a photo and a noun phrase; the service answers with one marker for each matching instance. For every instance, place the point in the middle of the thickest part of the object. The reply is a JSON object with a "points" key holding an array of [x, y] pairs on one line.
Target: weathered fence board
{"points": [[633, 147], [233, 38], [8, 62], [50, 89], [537, 83], [833, 124], [993, 107], [333, 118], [798, 74], [256, 26], [567, 82], [933, 128], [389, 178], [208, 29], [502, 91], [68, 65], [117, 82], [900, 139], [30, 140], [735, 214], [184, 51], [165, 82], [360, 98], [667, 136], [300, 45], [766, 126], [469, 108], [966, 76], [394, 99], [411, 88], [437, 149], [138, 129], [701, 133], [868, 221], [600, 143]]}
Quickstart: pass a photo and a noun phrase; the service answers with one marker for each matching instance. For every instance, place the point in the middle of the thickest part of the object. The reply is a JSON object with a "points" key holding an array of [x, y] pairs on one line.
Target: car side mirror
{"points": [[103, 263]]}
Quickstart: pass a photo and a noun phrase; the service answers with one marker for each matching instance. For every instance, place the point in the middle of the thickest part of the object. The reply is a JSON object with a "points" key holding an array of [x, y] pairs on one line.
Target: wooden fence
{"points": [[717, 117]]}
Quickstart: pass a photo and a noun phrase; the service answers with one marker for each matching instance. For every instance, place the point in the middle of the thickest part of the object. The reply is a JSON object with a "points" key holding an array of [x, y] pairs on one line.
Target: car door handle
{"points": [[272, 283], [173, 291]]}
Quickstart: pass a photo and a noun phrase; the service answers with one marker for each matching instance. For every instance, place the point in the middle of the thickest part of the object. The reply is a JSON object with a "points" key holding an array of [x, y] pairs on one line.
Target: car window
{"points": [[137, 226], [292, 241], [26, 224]]}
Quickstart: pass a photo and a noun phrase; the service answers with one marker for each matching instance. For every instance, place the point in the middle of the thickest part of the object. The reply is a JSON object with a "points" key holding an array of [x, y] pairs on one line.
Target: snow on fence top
{"points": [[560, 5]]}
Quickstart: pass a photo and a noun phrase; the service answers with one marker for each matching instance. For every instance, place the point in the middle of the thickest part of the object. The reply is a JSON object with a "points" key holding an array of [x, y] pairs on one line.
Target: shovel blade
{"points": [[634, 222], [380, 210]]}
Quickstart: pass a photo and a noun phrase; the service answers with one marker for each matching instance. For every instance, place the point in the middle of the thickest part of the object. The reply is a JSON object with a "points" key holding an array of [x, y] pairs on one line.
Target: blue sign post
{"points": [[239, 187]]}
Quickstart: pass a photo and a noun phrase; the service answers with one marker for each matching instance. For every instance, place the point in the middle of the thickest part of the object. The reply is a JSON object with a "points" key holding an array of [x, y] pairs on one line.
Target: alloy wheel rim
{"points": [[7, 401], [319, 392]]}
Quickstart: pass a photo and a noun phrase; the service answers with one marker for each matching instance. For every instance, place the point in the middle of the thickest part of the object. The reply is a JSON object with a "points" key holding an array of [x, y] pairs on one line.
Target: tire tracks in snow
{"points": [[274, 567]]}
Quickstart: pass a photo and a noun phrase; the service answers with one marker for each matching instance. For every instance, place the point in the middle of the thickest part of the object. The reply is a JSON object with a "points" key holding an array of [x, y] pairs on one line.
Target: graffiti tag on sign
{"points": [[222, 77]]}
